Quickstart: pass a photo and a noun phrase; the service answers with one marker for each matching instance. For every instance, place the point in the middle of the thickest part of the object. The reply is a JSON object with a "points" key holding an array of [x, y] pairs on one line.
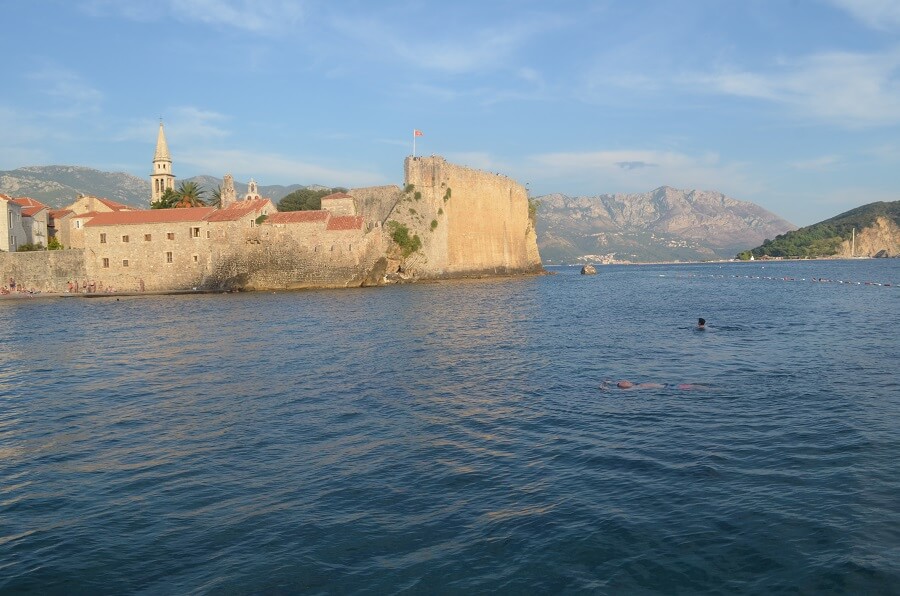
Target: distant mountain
{"points": [[665, 224], [58, 186], [274, 191], [867, 231]]}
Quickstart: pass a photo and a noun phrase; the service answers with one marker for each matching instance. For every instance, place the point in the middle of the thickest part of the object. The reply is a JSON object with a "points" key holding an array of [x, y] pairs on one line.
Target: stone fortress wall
{"points": [[471, 222], [299, 255], [43, 271]]}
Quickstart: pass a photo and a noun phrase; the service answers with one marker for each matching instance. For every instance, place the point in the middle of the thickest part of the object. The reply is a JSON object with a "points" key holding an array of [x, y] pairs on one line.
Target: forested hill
{"points": [[827, 238]]}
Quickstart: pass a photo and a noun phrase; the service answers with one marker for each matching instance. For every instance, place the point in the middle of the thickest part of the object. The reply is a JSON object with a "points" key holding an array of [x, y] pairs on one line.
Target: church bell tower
{"points": [[161, 177]]}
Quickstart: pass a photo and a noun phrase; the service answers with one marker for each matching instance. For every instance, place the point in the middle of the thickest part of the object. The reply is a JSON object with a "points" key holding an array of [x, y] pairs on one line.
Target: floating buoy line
{"points": [[796, 279]]}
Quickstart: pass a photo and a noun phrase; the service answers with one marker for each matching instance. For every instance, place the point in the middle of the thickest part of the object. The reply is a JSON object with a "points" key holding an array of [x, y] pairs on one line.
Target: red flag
{"points": [[417, 133]]}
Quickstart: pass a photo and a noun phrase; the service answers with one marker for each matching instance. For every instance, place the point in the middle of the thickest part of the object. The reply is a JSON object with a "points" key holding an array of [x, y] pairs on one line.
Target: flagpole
{"points": [[414, 143]]}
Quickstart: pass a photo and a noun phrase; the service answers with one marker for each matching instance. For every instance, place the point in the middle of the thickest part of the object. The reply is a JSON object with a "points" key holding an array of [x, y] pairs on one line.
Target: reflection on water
{"points": [[454, 437]]}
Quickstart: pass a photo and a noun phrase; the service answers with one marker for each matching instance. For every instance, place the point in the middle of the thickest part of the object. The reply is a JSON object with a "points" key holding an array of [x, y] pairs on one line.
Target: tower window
{"points": [[168, 257]]}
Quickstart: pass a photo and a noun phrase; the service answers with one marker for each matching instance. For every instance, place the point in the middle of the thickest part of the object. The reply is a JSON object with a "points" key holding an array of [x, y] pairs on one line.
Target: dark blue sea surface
{"points": [[458, 438]]}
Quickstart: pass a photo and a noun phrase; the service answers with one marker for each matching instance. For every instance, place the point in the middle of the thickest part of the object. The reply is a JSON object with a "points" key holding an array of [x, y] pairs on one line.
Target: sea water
{"points": [[462, 437]]}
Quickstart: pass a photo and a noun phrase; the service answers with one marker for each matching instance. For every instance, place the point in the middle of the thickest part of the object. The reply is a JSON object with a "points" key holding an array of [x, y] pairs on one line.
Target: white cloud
{"points": [[257, 16], [824, 162], [70, 93], [640, 170], [280, 168], [877, 14], [183, 124], [464, 51], [848, 89], [480, 160]]}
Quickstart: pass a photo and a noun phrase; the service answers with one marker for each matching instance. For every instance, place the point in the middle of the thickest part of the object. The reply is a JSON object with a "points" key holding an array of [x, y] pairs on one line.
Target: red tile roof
{"points": [[60, 213], [149, 216], [240, 209], [30, 207], [345, 222], [4, 197], [114, 205], [297, 217], [337, 195]]}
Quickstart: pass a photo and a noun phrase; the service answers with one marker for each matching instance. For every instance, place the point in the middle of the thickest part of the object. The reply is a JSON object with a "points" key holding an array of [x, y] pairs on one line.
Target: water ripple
{"points": [[454, 438]]}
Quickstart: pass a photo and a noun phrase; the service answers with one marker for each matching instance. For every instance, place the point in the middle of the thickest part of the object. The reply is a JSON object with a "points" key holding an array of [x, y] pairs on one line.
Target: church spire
{"points": [[162, 177], [162, 148]]}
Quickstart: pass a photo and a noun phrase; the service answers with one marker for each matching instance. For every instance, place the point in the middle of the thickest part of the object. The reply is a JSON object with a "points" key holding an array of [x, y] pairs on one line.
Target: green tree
{"points": [[191, 195], [168, 200], [306, 199], [216, 200], [400, 234], [54, 244]]}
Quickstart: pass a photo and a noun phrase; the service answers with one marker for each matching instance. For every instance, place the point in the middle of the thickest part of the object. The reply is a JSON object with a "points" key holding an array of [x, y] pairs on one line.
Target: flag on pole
{"points": [[416, 133]]}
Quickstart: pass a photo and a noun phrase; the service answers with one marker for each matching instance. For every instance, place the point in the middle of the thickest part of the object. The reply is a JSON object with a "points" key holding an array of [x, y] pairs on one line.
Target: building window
{"points": [[195, 232], [106, 263], [125, 238], [148, 237], [102, 238], [168, 257], [77, 224], [196, 259], [170, 236], [207, 233], [124, 262]]}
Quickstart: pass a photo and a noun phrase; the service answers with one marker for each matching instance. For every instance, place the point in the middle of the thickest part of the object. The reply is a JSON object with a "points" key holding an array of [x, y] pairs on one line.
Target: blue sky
{"points": [[791, 104]]}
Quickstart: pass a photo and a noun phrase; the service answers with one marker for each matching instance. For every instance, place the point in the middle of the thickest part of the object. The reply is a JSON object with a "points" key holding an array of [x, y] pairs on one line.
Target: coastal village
{"points": [[355, 238]]}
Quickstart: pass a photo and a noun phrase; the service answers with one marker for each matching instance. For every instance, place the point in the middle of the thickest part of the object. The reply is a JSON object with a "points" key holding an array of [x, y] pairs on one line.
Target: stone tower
{"points": [[228, 195], [252, 191], [161, 177]]}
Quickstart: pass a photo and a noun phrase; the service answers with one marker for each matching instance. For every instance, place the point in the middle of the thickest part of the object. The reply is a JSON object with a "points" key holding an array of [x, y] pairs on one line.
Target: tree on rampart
{"points": [[306, 199]]}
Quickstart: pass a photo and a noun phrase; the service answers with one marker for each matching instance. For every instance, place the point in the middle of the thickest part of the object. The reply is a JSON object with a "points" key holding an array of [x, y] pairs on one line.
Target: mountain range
{"points": [[57, 186], [665, 224]]}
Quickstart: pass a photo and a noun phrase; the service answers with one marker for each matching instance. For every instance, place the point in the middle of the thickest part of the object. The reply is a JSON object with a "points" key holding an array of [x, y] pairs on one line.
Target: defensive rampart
{"points": [[43, 271], [470, 222], [457, 222]]}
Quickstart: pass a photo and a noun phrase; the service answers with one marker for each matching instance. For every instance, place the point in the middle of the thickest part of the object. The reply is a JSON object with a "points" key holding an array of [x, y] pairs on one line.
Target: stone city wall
{"points": [[470, 221], [375, 203], [295, 256], [43, 271], [164, 256]]}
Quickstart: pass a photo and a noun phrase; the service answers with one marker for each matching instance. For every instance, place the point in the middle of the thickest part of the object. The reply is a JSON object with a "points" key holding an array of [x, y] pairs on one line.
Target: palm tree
{"points": [[191, 195], [216, 200], [168, 200]]}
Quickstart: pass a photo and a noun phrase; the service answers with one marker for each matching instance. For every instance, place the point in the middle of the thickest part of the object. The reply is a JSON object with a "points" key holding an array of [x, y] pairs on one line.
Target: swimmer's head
{"points": [[624, 384], [701, 322]]}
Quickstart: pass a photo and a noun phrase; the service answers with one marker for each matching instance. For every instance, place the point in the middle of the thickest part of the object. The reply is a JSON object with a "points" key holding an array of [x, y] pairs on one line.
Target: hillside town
{"points": [[244, 242], [144, 249]]}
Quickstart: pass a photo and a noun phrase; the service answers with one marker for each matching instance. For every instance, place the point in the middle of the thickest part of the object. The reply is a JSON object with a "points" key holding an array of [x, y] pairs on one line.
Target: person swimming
{"points": [[628, 385], [701, 323]]}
